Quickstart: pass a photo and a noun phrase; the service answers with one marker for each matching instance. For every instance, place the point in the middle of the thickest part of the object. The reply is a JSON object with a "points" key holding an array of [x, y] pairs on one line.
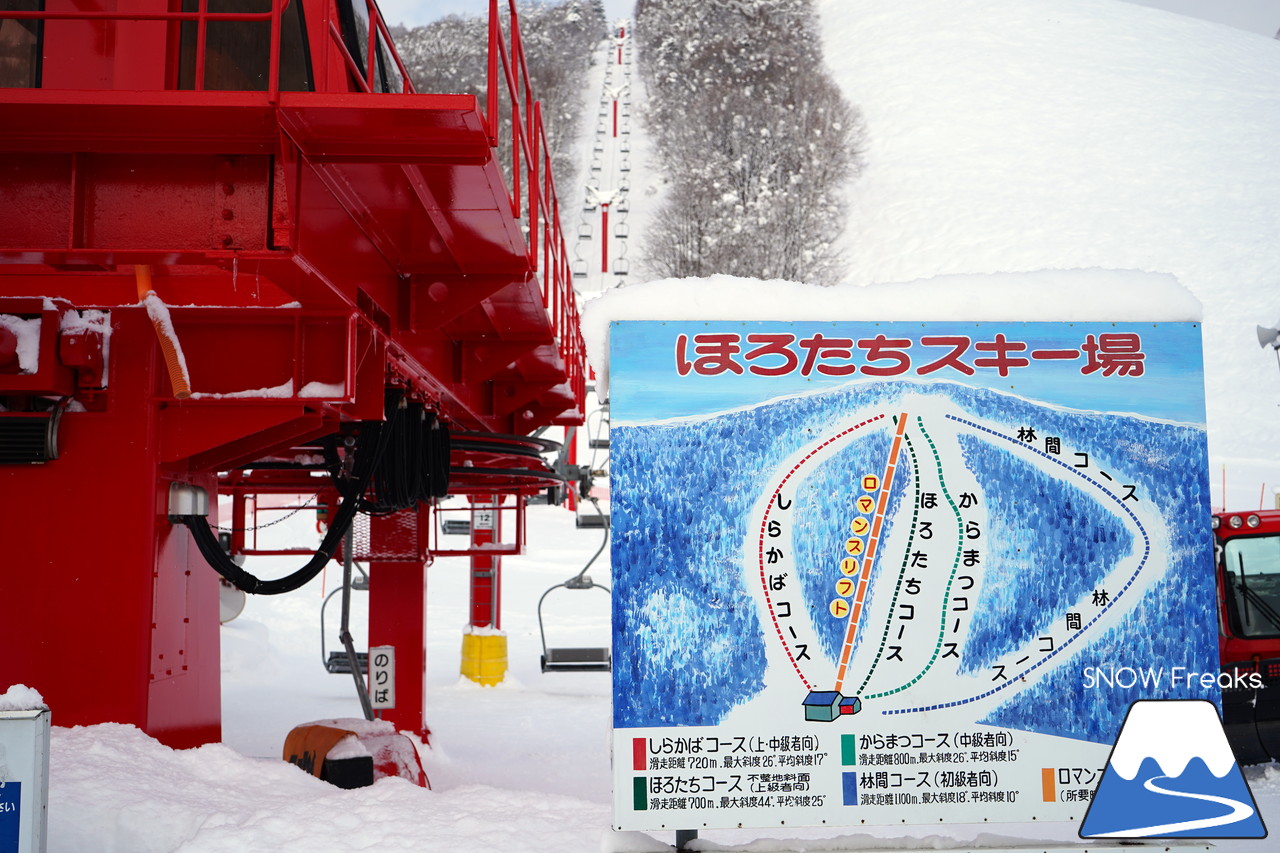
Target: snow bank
{"points": [[115, 790], [1096, 294]]}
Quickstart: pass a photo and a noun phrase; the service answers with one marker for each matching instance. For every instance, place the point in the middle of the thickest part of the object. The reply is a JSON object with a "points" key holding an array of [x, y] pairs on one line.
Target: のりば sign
{"points": [[860, 568]]}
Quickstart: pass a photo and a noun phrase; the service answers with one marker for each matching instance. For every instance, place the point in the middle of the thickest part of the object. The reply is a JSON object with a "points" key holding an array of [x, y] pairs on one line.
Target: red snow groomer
{"points": [[1247, 558], [240, 256]]}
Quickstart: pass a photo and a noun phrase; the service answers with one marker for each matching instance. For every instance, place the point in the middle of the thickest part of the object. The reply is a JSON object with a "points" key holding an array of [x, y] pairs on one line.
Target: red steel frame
{"points": [[315, 248]]}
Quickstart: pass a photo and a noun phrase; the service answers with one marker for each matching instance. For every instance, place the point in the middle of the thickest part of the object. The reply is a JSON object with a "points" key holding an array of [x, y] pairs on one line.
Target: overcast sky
{"points": [[415, 12], [1257, 16]]}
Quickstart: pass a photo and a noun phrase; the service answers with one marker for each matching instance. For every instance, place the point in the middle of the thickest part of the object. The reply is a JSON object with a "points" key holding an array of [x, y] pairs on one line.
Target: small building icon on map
{"points": [[825, 706]]}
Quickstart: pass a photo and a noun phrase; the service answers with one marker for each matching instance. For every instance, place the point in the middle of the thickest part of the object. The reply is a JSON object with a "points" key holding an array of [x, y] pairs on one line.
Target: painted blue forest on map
{"points": [[689, 644]]}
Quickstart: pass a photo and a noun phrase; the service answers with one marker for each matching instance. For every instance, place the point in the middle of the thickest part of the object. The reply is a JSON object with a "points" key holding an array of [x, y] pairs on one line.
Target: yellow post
{"points": [[484, 657]]}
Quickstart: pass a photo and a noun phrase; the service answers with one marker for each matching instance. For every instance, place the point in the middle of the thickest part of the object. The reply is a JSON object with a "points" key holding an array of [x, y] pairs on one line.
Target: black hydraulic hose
{"points": [[548, 476], [209, 546], [416, 465]]}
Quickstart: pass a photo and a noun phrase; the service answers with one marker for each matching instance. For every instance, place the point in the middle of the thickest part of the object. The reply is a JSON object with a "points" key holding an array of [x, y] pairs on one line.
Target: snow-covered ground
{"points": [[520, 768], [1004, 135]]}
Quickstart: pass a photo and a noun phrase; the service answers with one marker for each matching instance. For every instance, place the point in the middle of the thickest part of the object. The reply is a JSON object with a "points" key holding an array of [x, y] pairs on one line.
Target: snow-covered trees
{"points": [[753, 137], [450, 56]]}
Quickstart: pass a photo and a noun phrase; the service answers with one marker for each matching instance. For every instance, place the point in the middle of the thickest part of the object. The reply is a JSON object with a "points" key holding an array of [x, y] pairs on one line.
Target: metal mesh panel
{"points": [[389, 537]]}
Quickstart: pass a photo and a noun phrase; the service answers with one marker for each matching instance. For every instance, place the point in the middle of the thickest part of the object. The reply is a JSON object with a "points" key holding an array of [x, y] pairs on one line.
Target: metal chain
{"points": [[269, 523]]}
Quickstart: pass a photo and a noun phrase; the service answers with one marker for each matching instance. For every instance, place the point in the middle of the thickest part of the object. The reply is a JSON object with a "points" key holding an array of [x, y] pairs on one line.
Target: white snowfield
{"points": [[1003, 136], [1012, 135]]}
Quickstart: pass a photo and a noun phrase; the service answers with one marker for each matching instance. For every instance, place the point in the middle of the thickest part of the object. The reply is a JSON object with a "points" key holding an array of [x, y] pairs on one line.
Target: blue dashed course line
{"points": [[1146, 555]]}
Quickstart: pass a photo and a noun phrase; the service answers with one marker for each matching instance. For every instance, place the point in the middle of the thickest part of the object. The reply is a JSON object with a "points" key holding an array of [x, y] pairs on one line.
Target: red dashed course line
{"points": [[774, 500]]}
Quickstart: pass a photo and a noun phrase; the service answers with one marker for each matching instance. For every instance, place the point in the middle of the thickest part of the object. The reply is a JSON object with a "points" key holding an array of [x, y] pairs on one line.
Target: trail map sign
{"points": [[873, 573]]}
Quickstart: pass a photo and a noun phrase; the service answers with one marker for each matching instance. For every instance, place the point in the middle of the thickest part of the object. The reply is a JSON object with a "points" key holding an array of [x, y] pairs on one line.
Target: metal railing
{"points": [[377, 27], [532, 195], [539, 209]]}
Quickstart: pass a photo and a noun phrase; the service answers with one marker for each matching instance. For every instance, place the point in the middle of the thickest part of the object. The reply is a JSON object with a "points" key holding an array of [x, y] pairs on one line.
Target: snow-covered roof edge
{"points": [[1047, 295]]}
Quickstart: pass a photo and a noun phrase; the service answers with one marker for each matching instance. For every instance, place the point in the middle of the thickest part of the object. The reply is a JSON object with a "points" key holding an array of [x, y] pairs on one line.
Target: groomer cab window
{"points": [[353, 16], [20, 42], [1252, 571], [238, 52]]}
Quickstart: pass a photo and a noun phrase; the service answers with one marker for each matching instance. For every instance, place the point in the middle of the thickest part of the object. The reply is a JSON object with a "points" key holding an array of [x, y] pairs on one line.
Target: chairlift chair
{"points": [[579, 268], [620, 230], [573, 658], [338, 662], [584, 231], [621, 267], [577, 658]]}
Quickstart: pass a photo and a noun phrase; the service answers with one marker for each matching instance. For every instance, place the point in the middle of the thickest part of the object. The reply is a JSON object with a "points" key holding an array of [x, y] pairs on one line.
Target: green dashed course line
{"points": [[955, 566]]}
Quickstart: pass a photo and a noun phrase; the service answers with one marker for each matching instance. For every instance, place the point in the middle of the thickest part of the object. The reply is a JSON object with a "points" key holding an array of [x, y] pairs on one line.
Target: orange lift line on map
{"points": [[864, 576]]}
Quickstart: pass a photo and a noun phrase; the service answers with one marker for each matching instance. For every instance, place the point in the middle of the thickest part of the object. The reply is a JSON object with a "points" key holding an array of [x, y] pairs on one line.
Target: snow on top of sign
{"points": [[20, 697], [1047, 295]]}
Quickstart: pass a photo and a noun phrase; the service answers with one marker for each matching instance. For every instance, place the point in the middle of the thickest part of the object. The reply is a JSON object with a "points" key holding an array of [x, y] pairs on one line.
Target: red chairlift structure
{"points": [[322, 249]]}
